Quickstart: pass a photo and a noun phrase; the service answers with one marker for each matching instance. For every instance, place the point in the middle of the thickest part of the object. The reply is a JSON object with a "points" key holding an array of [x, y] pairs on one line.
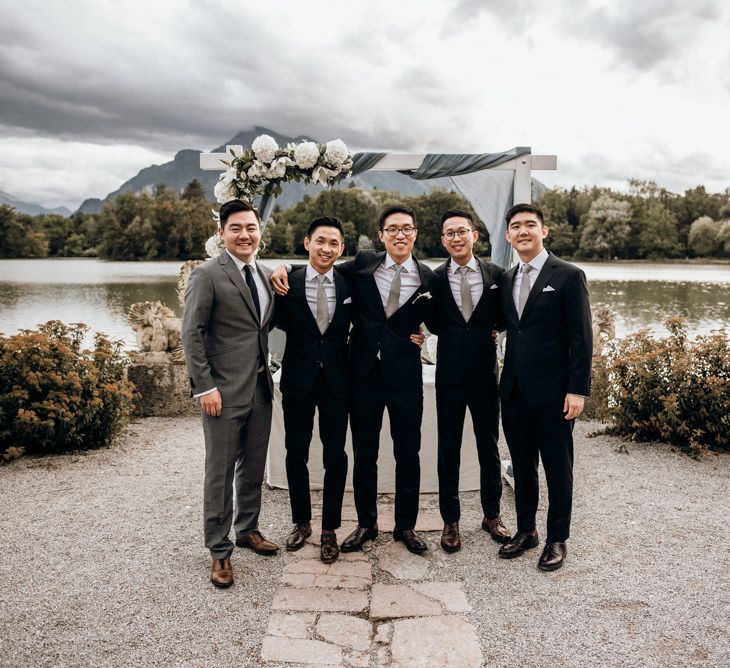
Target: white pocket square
{"points": [[348, 301], [548, 289], [494, 286]]}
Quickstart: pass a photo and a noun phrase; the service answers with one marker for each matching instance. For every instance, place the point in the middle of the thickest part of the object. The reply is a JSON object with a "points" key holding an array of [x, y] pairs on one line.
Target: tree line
{"points": [[587, 223]]}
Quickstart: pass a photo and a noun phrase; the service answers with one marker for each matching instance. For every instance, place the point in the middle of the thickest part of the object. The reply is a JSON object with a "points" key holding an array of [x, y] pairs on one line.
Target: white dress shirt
{"points": [[310, 288], [410, 279], [536, 263], [474, 278]]}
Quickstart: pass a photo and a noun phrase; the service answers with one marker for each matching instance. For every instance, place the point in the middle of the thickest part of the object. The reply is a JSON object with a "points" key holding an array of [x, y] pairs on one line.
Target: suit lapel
{"points": [[376, 262], [510, 278], [543, 278], [486, 285], [229, 266], [266, 280], [446, 289], [298, 282], [340, 296], [414, 295]]}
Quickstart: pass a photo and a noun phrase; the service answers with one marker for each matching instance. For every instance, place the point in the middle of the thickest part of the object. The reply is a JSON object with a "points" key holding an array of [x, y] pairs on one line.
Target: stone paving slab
{"points": [[291, 625], [435, 641], [312, 552], [345, 630], [327, 581], [450, 594], [300, 651], [319, 600], [428, 520], [395, 559], [393, 601]]}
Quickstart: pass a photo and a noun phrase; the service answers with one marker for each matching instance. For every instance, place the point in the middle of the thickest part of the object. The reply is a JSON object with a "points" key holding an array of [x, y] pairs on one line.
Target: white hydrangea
{"points": [[264, 148], [224, 190], [336, 152], [306, 154], [257, 170], [214, 246]]}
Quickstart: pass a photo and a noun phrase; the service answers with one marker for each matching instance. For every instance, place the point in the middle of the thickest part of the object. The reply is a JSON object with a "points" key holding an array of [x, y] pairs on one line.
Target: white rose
{"points": [[306, 154], [264, 148], [336, 152], [214, 246]]}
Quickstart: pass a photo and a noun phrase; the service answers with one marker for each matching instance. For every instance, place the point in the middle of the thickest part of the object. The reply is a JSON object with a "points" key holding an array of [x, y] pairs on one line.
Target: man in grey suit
{"points": [[228, 308]]}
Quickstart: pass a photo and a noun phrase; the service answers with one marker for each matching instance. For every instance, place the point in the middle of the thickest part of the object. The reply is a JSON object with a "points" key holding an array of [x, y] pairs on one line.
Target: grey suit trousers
{"points": [[235, 453]]}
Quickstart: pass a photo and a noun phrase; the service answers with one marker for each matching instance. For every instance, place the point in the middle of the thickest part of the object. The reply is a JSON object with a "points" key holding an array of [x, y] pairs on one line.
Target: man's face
{"points": [[324, 246], [398, 235], [458, 239], [525, 232], [242, 235]]}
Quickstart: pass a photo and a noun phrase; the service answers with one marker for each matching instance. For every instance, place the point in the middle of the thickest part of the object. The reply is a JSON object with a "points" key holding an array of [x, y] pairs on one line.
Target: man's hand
{"points": [[280, 280], [212, 403], [419, 339], [573, 406]]}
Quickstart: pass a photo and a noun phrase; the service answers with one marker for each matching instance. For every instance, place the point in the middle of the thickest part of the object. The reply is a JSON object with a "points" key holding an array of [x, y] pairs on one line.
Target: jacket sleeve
{"points": [[199, 297], [577, 313]]}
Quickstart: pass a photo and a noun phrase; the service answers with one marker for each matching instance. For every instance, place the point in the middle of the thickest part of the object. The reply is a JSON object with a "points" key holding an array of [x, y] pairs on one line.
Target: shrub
{"points": [[55, 397], [668, 389]]}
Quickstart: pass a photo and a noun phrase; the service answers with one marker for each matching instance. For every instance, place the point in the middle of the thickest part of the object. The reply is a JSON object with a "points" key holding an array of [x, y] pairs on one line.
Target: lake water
{"points": [[99, 293]]}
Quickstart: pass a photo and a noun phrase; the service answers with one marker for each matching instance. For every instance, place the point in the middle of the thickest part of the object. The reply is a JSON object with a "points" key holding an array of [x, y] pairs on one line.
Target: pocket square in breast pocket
{"points": [[494, 286], [348, 301], [548, 289]]}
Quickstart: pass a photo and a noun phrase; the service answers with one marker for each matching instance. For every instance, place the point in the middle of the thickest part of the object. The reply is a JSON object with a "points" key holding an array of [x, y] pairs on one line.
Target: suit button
{"points": [[519, 331]]}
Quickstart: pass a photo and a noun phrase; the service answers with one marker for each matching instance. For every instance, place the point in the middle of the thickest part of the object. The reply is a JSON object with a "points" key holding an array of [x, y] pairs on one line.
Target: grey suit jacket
{"points": [[225, 344]]}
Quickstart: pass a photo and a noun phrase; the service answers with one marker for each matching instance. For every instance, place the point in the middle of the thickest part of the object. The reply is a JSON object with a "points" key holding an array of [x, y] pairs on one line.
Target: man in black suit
{"points": [[392, 295], [468, 310], [316, 316], [545, 380]]}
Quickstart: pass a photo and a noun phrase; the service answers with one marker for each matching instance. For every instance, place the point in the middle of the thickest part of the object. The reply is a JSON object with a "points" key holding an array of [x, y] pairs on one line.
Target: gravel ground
{"points": [[102, 562]]}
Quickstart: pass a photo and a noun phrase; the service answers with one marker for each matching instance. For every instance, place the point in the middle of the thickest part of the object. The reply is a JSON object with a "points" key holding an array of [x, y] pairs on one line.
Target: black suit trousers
{"points": [[535, 432], [298, 423], [451, 404], [370, 397]]}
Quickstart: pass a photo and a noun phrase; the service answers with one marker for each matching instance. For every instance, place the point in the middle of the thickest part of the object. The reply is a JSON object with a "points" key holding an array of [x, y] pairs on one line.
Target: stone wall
{"points": [[162, 385]]}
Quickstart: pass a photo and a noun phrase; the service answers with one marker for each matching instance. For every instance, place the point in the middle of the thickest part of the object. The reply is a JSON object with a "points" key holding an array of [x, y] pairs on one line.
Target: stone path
{"points": [[372, 608]]}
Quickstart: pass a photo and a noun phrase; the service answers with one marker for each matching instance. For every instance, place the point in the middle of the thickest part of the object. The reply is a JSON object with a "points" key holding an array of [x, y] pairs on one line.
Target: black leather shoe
{"points": [[553, 556], [355, 541], [450, 539], [298, 536], [411, 539], [328, 548], [520, 542]]}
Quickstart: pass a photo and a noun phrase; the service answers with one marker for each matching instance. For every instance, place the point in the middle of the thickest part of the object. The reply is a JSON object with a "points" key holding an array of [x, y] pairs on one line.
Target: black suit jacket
{"points": [[549, 349], [466, 350], [372, 331], [307, 350]]}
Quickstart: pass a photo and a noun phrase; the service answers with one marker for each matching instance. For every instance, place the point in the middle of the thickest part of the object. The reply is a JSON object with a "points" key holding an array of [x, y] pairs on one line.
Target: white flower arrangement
{"points": [[250, 171]]}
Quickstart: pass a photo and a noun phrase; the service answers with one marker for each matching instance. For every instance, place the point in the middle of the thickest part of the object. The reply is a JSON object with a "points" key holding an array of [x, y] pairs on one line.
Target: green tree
{"points": [[606, 228], [19, 236], [703, 233], [723, 237], [658, 233]]}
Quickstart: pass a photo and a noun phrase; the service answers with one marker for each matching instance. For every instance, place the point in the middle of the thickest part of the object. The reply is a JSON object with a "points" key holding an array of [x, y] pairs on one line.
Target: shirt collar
{"points": [[240, 264], [472, 264], [538, 261], [408, 265], [313, 273]]}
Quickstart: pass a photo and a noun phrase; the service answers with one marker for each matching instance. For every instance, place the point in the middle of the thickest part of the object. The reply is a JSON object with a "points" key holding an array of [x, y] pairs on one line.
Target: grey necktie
{"points": [[394, 295], [467, 305], [323, 316], [524, 288]]}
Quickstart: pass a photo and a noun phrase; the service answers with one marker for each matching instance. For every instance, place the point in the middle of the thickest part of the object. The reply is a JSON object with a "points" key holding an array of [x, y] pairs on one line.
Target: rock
{"points": [[351, 632], [382, 636], [395, 559], [450, 594], [163, 386], [392, 601], [300, 651], [320, 600], [358, 659], [291, 625], [435, 641], [315, 573]]}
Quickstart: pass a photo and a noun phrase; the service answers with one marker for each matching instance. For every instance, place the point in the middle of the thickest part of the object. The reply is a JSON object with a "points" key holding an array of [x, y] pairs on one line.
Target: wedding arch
{"points": [[491, 182]]}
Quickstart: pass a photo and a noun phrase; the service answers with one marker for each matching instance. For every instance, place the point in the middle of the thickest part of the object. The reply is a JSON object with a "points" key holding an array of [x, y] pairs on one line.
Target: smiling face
{"points": [[458, 239], [241, 235], [325, 246], [525, 232], [398, 235]]}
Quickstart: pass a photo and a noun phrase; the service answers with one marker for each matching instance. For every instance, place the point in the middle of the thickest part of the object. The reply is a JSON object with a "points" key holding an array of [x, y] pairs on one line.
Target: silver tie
{"points": [[394, 295], [524, 288], [467, 305], [323, 315]]}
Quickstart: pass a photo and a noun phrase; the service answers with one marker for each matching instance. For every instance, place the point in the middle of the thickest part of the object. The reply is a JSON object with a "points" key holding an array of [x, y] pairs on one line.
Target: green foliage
{"points": [[606, 228], [703, 237], [21, 235], [55, 397], [668, 389]]}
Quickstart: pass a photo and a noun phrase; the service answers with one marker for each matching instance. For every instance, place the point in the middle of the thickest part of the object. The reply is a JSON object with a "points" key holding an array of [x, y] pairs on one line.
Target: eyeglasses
{"points": [[462, 234], [393, 231]]}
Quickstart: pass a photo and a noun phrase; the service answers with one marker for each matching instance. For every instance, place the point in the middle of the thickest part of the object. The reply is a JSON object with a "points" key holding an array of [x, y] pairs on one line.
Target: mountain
{"points": [[185, 167], [30, 208]]}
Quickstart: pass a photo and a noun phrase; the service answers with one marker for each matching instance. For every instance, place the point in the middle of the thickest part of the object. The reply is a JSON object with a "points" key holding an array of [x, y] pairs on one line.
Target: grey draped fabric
{"points": [[435, 165], [361, 162], [266, 204]]}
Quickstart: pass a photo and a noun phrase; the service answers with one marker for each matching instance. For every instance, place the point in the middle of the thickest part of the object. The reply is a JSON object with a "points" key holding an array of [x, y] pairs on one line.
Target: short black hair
{"points": [[326, 221], [234, 206], [458, 213], [524, 208], [397, 208]]}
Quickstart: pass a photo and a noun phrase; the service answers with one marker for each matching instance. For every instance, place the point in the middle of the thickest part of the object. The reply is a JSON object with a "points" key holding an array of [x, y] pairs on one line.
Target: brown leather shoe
{"points": [[328, 548], [355, 541], [496, 529], [221, 573], [411, 540], [298, 536], [450, 539], [256, 542], [553, 556], [522, 541]]}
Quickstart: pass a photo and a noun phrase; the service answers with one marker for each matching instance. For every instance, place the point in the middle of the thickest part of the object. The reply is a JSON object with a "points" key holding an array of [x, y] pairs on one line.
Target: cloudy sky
{"points": [[91, 92]]}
